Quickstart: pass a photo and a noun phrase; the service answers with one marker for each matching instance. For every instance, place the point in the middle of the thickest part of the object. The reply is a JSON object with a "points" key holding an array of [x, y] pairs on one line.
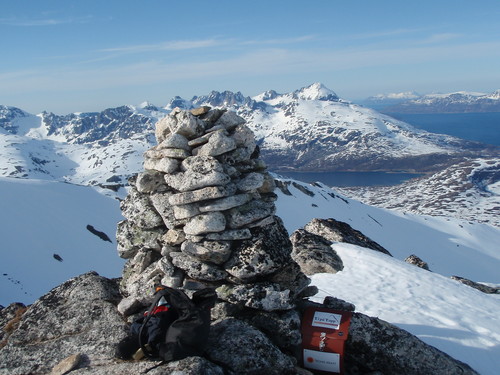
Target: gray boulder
{"points": [[268, 251], [150, 181], [243, 349], [139, 210], [69, 320], [314, 254], [218, 143], [338, 231], [264, 296], [374, 344]]}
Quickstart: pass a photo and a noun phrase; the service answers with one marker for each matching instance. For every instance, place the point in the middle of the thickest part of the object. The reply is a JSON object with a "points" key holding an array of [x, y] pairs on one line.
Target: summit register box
{"points": [[324, 332]]}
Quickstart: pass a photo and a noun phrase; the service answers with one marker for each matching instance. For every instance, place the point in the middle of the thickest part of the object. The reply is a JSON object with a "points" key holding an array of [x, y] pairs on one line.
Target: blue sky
{"points": [[66, 56]]}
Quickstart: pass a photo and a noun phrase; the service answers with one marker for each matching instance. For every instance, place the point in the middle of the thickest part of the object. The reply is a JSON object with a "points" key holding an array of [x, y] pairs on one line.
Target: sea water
{"points": [[480, 127]]}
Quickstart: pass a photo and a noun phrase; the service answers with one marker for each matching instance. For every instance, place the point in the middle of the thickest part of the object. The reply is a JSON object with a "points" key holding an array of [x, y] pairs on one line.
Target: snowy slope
{"points": [[450, 316], [41, 218]]}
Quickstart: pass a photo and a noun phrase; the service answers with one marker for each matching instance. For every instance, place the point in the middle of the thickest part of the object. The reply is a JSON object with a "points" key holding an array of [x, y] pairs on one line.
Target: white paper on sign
{"points": [[326, 320], [322, 361]]}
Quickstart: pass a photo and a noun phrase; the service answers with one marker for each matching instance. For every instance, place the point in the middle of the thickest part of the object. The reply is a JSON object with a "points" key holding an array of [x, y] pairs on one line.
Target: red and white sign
{"points": [[326, 320], [322, 361]]}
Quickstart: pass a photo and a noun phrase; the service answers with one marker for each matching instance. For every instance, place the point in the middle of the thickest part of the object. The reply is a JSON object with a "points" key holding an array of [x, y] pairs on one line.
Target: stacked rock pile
{"points": [[202, 214]]}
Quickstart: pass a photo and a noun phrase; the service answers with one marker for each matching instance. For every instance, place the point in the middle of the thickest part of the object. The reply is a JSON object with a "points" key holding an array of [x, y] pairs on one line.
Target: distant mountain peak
{"points": [[222, 99], [316, 91], [267, 95]]}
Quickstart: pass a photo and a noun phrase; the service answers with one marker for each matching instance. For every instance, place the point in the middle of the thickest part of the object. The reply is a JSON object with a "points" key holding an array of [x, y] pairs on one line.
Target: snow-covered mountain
{"points": [[312, 129], [83, 148], [469, 190], [456, 102], [380, 101], [40, 219], [308, 129]]}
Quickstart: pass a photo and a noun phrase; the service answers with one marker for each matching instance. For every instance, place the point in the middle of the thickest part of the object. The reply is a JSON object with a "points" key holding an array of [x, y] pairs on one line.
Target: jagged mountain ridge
{"points": [[456, 102], [308, 129]]}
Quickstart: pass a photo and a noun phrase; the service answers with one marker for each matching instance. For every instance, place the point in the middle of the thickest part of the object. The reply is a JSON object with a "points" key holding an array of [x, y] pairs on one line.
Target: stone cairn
{"points": [[202, 214]]}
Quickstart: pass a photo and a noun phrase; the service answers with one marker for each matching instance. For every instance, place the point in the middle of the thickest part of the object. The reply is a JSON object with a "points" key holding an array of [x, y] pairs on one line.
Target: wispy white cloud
{"points": [[177, 45], [386, 33], [46, 21], [299, 39], [440, 38]]}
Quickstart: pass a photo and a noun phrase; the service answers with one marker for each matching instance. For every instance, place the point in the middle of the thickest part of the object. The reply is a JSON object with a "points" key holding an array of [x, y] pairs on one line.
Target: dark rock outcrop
{"points": [[338, 231], [481, 287], [314, 253], [374, 344]]}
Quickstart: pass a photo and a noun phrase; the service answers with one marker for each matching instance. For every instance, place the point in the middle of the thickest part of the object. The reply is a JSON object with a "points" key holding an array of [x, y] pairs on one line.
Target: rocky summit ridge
{"points": [[202, 214]]}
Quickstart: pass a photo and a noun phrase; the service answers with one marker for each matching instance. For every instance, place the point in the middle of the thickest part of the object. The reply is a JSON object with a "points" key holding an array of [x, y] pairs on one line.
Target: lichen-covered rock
{"points": [[176, 141], [187, 366], [139, 210], [69, 319], [338, 231], [67, 364], [283, 328], [166, 211], [292, 278], [210, 251], [10, 317], [314, 254], [261, 296], [243, 349], [165, 165], [196, 269], [227, 203], [206, 223], [218, 143], [250, 212], [150, 181], [131, 238], [479, 286], [207, 193], [190, 180], [267, 251], [230, 235], [374, 344]]}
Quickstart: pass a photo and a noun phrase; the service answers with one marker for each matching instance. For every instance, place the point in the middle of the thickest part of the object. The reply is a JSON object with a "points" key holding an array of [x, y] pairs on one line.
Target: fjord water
{"points": [[481, 127]]}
